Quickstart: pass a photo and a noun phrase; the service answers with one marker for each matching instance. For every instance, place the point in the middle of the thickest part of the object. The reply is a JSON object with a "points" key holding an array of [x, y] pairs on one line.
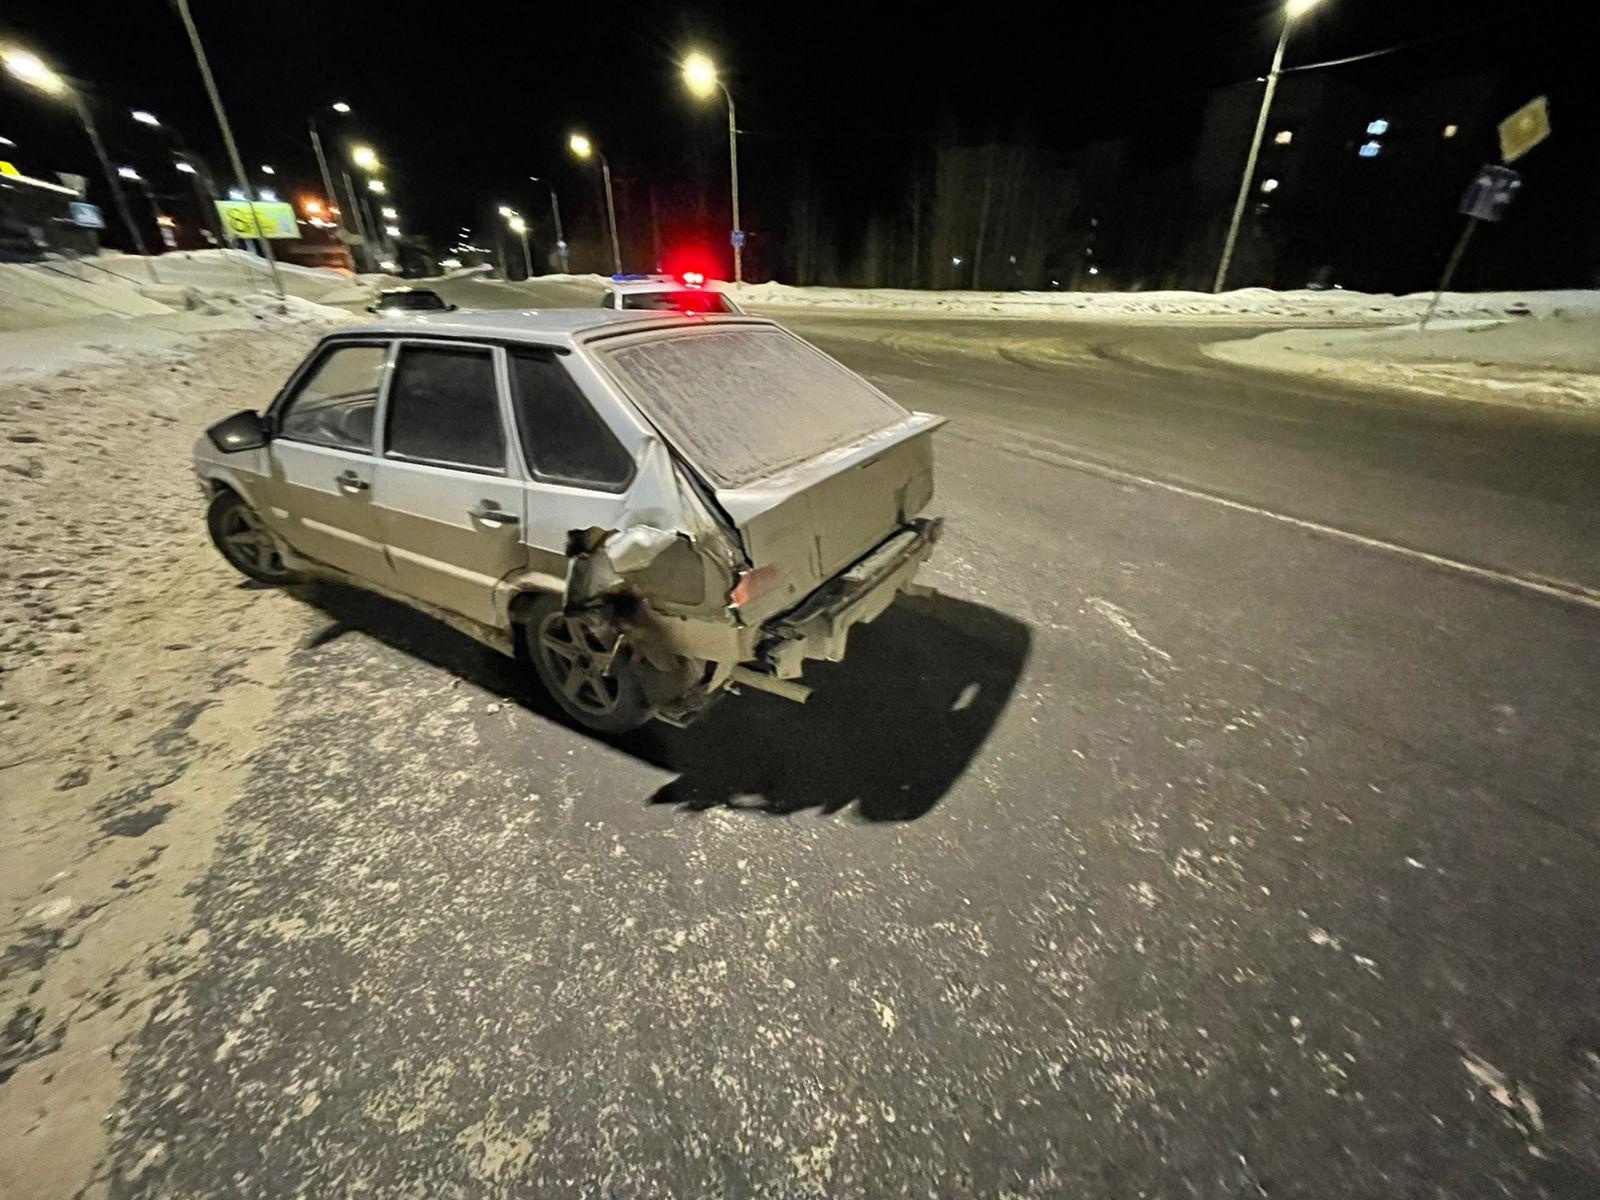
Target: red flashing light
{"points": [[694, 279]]}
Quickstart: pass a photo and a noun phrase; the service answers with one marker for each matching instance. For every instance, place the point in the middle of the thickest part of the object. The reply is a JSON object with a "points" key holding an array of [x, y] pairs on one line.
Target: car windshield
{"points": [[684, 300], [745, 403], [411, 300]]}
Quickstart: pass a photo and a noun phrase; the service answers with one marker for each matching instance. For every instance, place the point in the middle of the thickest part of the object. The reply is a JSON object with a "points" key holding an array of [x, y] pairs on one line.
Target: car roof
{"points": [[536, 326]]}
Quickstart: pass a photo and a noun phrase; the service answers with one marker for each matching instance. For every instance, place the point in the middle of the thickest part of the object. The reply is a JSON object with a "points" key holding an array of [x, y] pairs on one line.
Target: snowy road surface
{"points": [[1227, 825]]}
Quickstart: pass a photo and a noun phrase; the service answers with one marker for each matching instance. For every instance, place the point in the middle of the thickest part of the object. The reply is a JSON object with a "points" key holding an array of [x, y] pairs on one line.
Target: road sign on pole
{"points": [[1491, 193], [1525, 128]]}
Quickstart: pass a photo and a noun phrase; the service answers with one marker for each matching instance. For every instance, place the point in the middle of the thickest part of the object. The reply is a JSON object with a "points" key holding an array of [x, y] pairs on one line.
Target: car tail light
{"points": [[753, 584]]}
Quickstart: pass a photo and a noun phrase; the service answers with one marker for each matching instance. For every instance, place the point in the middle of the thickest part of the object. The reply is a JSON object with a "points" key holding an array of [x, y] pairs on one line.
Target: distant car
{"points": [[687, 293], [653, 508], [404, 300]]}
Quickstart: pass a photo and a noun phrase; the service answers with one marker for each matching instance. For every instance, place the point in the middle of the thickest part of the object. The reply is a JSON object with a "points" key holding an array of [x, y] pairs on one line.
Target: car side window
{"points": [[609, 300], [563, 438], [335, 404], [444, 408]]}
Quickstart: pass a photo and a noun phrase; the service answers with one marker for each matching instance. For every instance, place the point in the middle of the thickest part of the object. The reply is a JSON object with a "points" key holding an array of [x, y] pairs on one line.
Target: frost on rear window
{"points": [[745, 403]]}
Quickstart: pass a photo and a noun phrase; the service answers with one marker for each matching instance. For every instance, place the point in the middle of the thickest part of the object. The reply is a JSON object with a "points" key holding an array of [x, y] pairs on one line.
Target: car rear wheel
{"points": [[242, 537], [586, 667]]}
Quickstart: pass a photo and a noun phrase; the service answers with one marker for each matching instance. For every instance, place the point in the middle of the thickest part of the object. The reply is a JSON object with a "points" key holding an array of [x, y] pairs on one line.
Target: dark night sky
{"points": [[466, 100]]}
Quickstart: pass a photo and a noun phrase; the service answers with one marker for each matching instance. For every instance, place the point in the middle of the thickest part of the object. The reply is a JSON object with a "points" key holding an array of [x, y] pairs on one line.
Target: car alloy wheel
{"points": [[582, 662]]}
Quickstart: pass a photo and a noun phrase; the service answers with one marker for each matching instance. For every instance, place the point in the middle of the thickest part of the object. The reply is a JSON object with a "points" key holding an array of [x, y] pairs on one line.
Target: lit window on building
{"points": [[1283, 137], [1269, 185], [1451, 130], [1370, 149], [1378, 128]]}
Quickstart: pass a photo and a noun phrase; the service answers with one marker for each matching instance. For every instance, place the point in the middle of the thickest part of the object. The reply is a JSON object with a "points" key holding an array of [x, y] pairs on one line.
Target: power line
{"points": [[1395, 49]]}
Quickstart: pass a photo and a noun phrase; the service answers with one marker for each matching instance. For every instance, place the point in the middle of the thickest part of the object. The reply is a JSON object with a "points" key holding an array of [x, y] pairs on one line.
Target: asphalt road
{"points": [[1226, 825]]}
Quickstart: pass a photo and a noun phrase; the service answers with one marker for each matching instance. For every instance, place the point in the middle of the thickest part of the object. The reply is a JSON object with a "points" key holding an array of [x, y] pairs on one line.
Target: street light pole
{"points": [[702, 78], [1291, 10], [227, 132], [520, 227], [580, 145], [733, 162], [611, 213], [555, 213], [327, 187], [32, 71], [105, 165]]}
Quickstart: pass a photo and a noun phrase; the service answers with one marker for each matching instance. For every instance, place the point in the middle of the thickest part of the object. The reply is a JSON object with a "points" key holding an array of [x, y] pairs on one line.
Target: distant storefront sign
{"points": [[265, 219], [85, 215]]}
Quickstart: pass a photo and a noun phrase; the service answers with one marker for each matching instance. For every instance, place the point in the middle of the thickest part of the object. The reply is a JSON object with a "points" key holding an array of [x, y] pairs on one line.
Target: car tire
{"points": [[241, 537], [564, 648]]}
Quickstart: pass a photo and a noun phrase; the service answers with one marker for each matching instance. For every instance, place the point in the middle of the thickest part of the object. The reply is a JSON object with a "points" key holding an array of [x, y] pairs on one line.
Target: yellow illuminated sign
{"points": [[270, 219]]}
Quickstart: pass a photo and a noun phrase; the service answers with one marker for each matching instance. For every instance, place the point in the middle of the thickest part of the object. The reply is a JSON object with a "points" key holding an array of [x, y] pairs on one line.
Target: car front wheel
{"points": [[238, 531], [586, 667]]}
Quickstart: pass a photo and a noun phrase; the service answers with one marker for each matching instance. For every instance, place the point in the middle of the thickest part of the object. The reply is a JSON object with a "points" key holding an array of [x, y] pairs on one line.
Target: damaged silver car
{"points": [[653, 509]]}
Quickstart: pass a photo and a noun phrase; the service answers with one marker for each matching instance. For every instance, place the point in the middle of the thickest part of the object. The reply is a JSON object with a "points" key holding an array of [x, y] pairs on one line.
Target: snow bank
{"points": [[112, 307], [33, 295], [1549, 362], [1334, 307]]}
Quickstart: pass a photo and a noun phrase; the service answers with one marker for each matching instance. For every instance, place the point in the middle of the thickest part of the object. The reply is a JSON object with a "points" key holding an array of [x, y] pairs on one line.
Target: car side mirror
{"points": [[372, 308], [245, 430], [451, 307]]}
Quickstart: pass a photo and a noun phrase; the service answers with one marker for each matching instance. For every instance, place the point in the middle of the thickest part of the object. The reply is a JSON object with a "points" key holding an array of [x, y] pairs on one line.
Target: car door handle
{"points": [[350, 483], [491, 514]]}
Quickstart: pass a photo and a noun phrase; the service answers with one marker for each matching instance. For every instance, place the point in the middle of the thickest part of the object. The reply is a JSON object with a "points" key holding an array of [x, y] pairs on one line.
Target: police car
{"points": [[689, 292]]}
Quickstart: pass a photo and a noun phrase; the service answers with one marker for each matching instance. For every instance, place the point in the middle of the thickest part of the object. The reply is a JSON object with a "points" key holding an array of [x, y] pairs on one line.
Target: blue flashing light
{"points": [[1378, 127], [628, 278], [1370, 149]]}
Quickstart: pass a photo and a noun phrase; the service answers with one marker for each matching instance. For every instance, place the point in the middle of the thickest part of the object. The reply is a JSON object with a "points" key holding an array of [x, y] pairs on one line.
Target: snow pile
{"points": [[1549, 362], [33, 295], [116, 307], [1333, 307]]}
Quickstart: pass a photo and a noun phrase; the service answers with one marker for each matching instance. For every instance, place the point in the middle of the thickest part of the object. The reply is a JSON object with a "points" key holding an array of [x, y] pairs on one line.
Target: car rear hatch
{"points": [[813, 465]]}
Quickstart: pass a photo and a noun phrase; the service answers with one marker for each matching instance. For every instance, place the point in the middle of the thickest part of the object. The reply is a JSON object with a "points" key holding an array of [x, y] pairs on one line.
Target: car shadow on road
{"points": [[889, 730]]}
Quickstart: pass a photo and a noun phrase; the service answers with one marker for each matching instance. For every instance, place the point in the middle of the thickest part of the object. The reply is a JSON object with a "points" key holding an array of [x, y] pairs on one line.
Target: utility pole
{"points": [[327, 188], [227, 133], [361, 225], [611, 212]]}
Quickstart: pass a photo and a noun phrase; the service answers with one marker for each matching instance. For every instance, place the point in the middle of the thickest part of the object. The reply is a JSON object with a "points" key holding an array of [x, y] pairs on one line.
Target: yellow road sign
{"points": [[262, 219], [1525, 129], [9, 169]]}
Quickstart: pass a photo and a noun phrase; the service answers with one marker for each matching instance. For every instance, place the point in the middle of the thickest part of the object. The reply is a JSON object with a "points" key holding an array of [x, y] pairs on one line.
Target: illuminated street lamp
{"points": [[30, 69], [342, 109], [701, 78], [1292, 11], [581, 146], [391, 214], [365, 157], [145, 118], [378, 186]]}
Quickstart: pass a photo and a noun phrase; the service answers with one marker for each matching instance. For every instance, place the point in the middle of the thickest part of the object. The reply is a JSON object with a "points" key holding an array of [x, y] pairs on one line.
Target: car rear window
{"points": [[744, 403], [426, 300], [682, 301]]}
